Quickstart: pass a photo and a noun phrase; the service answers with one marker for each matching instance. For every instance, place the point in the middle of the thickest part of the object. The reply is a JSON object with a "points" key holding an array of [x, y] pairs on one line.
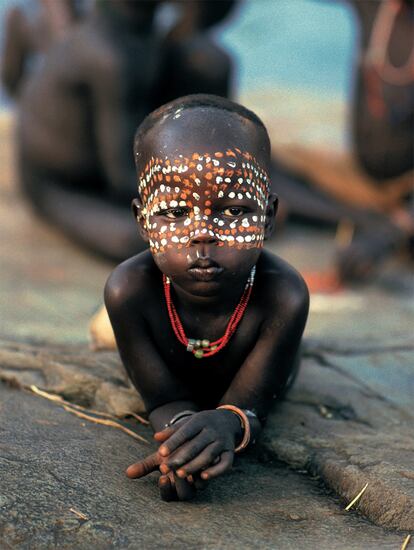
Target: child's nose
{"points": [[204, 237]]}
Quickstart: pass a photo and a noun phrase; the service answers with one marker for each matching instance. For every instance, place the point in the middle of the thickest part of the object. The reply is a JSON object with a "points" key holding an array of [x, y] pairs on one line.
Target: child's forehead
{"points": [[187, 131], [216, 170]]}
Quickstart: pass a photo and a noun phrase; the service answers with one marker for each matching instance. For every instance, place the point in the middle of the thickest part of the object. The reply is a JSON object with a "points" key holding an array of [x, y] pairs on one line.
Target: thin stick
{"points": [[103, 422], [406, 542], [79, 514], [46, 395], [359, 495], [59, 399], [139, 418]]}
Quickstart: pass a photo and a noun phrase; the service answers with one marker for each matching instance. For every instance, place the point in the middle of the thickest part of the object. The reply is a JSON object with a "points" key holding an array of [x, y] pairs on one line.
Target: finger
{"points": [[167, 489], [202, 460], [184, 433], [225, 464], [145, 467], [185, 490], [163, 435], [189, 450], [164, 469]]}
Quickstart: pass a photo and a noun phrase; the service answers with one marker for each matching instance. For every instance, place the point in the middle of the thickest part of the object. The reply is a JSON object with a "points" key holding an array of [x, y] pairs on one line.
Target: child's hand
{"points": [[205, 442], [171, 487]]}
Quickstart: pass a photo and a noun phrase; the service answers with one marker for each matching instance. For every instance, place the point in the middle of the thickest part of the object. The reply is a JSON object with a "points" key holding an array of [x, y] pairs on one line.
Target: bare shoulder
{"points": [[132, 283], [281, 286]]}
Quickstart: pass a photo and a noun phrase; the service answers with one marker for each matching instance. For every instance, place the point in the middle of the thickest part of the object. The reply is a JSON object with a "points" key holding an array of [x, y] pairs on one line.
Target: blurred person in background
{"points": [[370, 193], [30, 31], [79, 109]]}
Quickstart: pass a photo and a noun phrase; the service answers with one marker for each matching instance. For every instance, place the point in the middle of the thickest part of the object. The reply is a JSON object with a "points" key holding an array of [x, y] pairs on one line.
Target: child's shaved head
{"points": [[214, 108]]}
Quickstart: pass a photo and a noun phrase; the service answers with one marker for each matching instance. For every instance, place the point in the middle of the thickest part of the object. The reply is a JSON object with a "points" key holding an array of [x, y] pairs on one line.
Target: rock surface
{"points": [[93, 380], [348, 420], [55, 467]]}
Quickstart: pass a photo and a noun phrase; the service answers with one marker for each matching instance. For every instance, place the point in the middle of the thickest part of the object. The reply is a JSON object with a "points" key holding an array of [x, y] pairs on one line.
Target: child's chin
{"points": [[204, 289]]}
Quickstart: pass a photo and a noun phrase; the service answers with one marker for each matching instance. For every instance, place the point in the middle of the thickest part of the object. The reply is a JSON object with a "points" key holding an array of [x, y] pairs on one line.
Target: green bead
{"points": [[198, 353], [205, 343], [213, 348]]}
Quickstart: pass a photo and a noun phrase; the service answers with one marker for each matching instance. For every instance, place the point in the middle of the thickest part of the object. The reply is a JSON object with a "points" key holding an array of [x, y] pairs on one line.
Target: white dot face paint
{"points": [[200, 193]]}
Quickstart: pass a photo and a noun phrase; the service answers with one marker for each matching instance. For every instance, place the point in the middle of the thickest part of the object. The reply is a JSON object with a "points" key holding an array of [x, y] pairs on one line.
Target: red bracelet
{"points": [[245, 425]]}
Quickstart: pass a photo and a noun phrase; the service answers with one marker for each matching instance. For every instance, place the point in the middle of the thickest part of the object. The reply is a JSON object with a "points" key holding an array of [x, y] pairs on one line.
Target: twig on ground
{"points": [[79, 514], [406, 542], [359, 495], [59, 399], [139, 418], [104, 422], [76, 409]]}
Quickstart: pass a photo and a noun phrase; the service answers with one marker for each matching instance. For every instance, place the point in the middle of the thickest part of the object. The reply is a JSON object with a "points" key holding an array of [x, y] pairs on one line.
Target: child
{"points": [[208, 324]]}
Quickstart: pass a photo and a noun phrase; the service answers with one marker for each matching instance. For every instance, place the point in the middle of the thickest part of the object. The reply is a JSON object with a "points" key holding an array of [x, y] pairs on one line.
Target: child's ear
{"points": [[271, 210], [137, 210]]}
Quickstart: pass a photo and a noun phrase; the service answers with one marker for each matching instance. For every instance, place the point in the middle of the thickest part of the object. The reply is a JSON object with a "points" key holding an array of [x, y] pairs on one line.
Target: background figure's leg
{"points": [[375, 236], [104, 228], [303, 202]]}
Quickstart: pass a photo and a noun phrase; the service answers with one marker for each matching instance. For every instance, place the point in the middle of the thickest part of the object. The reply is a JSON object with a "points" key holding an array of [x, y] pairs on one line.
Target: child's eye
{"points": [[233, 211], [175, 213]]}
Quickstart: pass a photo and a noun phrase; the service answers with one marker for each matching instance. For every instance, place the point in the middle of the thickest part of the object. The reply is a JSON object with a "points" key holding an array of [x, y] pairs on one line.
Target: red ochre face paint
{"points": [[222, 195]]}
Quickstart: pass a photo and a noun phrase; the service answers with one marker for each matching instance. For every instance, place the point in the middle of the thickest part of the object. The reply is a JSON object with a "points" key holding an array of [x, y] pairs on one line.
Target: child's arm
{"points": [[128, 295], [211, 436]]}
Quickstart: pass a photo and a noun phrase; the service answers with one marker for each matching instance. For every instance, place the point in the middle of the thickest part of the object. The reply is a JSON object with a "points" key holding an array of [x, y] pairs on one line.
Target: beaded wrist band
{"points": [[245, 425]]}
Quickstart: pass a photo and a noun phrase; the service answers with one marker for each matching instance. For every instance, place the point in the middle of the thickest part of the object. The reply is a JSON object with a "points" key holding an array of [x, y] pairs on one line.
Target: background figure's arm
{"points": [[114, 124], [16, 48], [264, 375]]}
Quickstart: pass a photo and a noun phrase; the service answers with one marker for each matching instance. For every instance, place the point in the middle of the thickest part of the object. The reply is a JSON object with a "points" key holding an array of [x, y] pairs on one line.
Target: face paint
{"points": [[221, 195]]}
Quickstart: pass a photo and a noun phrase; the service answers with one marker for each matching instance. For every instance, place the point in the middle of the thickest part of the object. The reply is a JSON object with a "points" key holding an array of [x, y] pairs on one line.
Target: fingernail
{"points": [[181, 473], [164, 469], [204, 475], [163, 451]]}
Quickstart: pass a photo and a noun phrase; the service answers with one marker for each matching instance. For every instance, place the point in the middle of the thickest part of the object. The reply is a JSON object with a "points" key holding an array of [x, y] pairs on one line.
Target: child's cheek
{"points": [[244, 232], [247, 231]]}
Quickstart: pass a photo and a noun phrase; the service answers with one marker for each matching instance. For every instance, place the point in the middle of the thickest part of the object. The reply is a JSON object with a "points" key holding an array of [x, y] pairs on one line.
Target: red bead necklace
{"points": [[205, 348]]}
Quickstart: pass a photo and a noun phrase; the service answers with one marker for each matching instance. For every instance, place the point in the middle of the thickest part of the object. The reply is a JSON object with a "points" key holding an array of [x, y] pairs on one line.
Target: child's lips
{"points": [[205, 273]]}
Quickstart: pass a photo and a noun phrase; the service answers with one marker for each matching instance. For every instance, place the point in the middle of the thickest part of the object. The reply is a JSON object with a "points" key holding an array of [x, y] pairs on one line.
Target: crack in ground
{"points": [[64, 482], [369, 392], [341, 412]]}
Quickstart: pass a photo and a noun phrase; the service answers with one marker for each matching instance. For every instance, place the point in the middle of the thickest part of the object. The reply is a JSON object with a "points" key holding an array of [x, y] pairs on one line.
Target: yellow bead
{"points": [[205, 343]]}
